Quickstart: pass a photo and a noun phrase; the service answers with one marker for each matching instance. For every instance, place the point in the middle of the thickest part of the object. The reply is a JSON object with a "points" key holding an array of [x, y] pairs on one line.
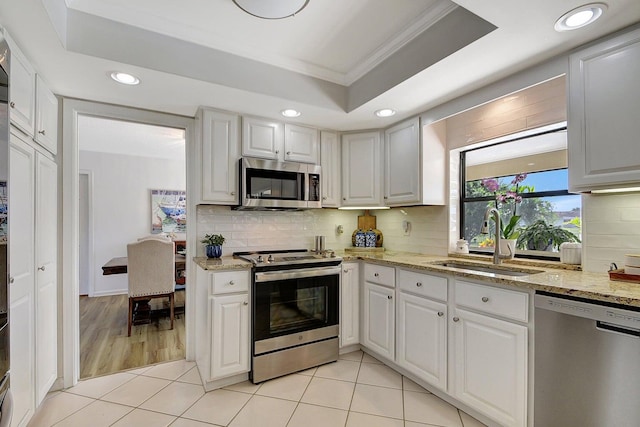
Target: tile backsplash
{"points": [[610, 229]]}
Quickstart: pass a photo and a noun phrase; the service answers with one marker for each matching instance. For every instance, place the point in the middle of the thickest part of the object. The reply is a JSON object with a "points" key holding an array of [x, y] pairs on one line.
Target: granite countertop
{"points": [[555, 277]]}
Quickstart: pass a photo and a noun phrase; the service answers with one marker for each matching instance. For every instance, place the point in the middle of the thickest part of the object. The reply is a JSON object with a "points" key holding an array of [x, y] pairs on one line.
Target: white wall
{"points": [[610, 229], [121, 205]]}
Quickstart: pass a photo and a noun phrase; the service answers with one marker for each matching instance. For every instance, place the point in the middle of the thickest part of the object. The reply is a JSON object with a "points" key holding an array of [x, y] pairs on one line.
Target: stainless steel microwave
{"points": [[269, 184]]}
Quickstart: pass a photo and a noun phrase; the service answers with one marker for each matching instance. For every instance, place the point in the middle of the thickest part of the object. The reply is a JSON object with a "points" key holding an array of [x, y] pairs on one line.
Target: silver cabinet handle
{"points": [[41, 132], [389, 297], [375, 274], [41, 268], [231, 283], [485, 299], [456, 319], [440, 313], [11, 280], [245, 303], [12, 104], [419, 284]]}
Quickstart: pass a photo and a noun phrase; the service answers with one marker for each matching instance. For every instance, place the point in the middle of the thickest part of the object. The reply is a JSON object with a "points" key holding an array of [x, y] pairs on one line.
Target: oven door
{"points": [[294, 303]]}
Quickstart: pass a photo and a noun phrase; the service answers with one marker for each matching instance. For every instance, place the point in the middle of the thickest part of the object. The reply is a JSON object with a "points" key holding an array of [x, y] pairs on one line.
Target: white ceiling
{"points": [[337, 61]]}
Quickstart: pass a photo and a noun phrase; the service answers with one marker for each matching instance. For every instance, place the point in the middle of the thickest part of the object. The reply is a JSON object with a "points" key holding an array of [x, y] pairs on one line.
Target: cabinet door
{"points": [[300, 144], [230, 340], [220, 155], [46, 117], [350, 305], [330, 163], [422, 338], [261, 138], [361, 169], [379, 320], [22, 282], [23, 91], [490, 369], [603, 125], [46, 275], [402, 163]]}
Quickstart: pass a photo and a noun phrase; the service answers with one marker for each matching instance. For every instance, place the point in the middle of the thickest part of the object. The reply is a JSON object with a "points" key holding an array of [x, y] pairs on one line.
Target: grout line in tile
{"points": [[78, 410]]}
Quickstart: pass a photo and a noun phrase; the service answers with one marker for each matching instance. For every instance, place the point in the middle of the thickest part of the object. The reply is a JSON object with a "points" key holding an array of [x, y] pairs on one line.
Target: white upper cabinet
{"points": [[361, 169], [220, 139], [603, 125], [330, 164], [402, 163], [46, 130], [23, 91], [301, 144], [262, 138]]}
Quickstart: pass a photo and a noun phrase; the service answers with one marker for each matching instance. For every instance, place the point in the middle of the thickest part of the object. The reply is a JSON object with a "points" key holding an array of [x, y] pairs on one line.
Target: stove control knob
{"points": [[270, 259], [259, 260]]}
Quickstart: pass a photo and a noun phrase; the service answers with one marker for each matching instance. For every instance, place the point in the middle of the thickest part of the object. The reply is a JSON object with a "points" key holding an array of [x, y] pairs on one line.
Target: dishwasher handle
{"points": [[617, 329]]}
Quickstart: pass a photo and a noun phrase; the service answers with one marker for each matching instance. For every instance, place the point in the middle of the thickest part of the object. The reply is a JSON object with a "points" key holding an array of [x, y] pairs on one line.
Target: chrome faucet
{"points": [[497, 256]]}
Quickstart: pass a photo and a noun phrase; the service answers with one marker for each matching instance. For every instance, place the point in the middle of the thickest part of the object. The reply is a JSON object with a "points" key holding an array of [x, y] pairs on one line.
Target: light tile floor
{"points": [[355, 391]]}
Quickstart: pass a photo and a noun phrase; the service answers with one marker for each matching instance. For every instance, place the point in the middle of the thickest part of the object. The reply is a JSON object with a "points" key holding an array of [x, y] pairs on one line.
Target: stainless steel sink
{"points": [[486, 268]]}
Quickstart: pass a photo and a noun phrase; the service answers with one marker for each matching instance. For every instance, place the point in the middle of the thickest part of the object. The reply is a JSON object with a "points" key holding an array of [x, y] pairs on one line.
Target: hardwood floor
{"points": [[105, 347]]}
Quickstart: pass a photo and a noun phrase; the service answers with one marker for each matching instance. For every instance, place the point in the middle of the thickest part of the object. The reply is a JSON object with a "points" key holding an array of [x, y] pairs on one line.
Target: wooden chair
{"points": [[151, 271]]}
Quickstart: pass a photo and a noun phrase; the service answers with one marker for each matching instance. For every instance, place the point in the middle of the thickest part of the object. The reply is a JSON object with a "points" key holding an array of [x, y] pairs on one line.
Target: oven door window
{"points": [[269, 184], [295, 305]]}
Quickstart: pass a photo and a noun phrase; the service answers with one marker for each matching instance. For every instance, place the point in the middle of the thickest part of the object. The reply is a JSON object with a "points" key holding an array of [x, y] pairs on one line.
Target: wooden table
{"points": [[118, 265]]}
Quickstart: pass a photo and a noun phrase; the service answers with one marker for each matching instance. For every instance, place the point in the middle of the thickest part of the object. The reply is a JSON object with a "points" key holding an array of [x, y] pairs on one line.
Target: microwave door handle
{"points": [[306, 184]]}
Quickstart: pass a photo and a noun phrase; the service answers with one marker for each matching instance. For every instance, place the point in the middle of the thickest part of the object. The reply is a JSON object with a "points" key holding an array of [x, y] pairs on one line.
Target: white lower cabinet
{"points": [[490, 355], [422, 338], [350, 304], [222, 329], [379, 319]]}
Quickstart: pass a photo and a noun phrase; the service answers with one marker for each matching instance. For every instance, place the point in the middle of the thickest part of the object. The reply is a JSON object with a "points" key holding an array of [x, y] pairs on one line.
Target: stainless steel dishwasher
{"points": [[587, 363]]}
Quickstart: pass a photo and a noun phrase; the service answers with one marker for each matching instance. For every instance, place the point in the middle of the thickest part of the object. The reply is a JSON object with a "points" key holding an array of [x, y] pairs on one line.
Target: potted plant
{"points": [[213, 245], [541, 236]]}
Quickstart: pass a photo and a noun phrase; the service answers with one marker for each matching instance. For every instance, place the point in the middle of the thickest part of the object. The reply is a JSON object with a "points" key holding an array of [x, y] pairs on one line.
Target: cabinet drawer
{"points": [[379, 274], [226, 282], [423, 284], [501, 302]]}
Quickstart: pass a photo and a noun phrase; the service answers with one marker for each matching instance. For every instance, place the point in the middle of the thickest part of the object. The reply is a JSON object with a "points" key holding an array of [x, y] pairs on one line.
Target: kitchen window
{"points": [[526, 180]]}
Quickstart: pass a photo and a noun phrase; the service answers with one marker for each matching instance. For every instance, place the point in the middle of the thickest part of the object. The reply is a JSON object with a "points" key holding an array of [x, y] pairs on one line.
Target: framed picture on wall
{"points": [[168, 211]]}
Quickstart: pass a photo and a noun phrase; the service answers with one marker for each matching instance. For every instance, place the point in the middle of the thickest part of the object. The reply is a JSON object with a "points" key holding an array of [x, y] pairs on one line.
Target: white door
{"points": [[85, 230], [361, 169], [46, 117], [46, 295], [21, 289], [350, 305], [262, 138], [402, 163], [490, 366], [300, 144], [330, 163], [379, 319], [220, 155], [230, 340], [22, 112], [422, 338]]}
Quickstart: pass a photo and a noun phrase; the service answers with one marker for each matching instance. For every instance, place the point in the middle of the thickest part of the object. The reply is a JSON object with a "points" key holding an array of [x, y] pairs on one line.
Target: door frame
{"points": [[69, 318], [90, 255]]}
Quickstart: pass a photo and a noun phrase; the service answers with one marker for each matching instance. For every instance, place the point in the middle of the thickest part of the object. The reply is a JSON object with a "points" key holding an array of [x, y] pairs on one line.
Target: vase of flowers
{"points": [[213, 245], [506, 201]]}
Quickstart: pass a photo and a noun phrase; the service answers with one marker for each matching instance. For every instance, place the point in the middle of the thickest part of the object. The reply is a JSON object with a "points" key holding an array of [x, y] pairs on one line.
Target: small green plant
{"points": [[213, 239], [539, 236]]}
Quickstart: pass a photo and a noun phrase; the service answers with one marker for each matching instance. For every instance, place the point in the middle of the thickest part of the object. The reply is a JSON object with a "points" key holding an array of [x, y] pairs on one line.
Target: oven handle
{"points": [[270, 276]]}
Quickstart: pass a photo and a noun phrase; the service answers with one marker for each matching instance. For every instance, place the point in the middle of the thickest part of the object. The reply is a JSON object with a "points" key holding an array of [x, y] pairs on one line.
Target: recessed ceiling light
{"points": [[290, 112], [271, 9], [124, 78], [385, 112], [580, 17]]}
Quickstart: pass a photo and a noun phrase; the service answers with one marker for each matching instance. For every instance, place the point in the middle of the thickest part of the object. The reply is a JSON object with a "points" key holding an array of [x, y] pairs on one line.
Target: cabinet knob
{"points": [[485, 299], [41, 132], [12, 104], [375, 274], [344, 198], [456, 319], [389, 297], [385, 197], [419, 284], [245, 303], [324, 197], [233, 193], [231, 283], [440, 313], [288, 153], [277, 151], [41, 268], [11, 280]]}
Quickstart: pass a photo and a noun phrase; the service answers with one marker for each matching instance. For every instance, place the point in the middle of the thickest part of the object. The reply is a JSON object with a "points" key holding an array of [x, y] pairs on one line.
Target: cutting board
{"points": [[366, 221], [621, 276]]}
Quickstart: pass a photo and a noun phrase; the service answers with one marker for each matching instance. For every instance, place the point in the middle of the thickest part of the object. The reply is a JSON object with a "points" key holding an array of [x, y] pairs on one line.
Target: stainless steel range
{"points": [[295, 305]]}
